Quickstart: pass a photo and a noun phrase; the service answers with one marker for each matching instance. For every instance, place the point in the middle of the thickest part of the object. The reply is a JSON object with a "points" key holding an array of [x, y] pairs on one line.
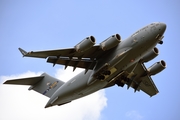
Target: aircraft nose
{"points": [[163, 27]]}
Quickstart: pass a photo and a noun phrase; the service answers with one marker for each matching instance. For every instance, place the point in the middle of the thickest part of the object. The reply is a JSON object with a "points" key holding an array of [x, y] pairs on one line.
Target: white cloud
{"points": [[67, 74], [134, 115], [18, 103]]}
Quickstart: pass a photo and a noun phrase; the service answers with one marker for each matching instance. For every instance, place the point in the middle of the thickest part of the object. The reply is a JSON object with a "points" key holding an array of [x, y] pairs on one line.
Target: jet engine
{"points": [[150, 55], [85, 44], [156, 68], [110, 42]]}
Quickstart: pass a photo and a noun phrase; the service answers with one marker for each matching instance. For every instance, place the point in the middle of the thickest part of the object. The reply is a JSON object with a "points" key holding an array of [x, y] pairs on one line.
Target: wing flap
{"points": [[74, 62]]}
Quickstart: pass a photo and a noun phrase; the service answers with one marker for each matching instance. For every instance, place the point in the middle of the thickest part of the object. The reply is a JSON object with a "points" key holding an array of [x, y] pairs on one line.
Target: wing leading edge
{"points": [[69, 52]]}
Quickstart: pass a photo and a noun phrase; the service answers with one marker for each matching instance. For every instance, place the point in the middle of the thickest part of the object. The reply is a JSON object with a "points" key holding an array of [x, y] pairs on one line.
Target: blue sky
{"points": [[40, 25]]}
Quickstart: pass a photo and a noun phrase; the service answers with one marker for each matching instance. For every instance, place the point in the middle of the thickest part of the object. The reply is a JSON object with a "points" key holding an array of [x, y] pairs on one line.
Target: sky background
{"points": [[55, 24]]}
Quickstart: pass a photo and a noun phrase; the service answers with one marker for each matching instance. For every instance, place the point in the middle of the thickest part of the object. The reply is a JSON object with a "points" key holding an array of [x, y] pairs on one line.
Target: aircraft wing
{"points": [[69, 52], [142, 81], [147, 85], [68, 57]]}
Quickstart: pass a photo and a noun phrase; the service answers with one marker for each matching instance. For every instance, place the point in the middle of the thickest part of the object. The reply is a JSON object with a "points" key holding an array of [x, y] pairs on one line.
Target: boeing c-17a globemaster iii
{"points": [[112, 62]]}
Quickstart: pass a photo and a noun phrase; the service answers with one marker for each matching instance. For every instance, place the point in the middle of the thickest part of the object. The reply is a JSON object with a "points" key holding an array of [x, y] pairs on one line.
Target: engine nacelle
{"points": [[157, 67], [85, 44], [150, 55], [110, 42]]}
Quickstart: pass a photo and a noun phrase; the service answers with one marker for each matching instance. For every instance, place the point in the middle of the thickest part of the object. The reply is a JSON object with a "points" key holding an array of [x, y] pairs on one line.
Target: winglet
{"points": [[24, 53]]}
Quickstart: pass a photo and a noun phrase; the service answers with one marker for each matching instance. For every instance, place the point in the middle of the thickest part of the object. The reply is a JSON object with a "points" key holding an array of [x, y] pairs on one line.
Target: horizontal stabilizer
{"points": [[25, 81], [44, 84]]}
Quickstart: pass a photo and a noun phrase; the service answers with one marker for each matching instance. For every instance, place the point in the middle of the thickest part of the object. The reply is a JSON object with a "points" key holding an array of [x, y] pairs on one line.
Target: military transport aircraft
{"points": [[112, 62]]}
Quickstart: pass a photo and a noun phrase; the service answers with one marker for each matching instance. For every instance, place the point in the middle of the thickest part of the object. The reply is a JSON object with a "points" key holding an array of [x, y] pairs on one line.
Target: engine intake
{"points": [[85, 44], [150, 55], [157, 67], [110, 42]]}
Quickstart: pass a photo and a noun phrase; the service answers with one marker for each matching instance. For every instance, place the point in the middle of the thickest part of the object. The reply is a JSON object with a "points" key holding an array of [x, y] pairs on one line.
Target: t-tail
{"points": [[43, 84]]}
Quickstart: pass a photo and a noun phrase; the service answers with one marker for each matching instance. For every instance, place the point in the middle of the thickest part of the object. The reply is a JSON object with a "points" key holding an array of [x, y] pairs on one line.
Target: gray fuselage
{"points": [[126, 54]]}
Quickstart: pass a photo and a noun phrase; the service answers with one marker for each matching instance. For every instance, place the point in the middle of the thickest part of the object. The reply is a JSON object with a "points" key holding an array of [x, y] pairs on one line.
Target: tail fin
{"points": [[43, 84]]}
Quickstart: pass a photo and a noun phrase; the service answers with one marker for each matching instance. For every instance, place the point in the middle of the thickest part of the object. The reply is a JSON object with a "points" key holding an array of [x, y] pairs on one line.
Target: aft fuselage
{"points": [[126, 54]]}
